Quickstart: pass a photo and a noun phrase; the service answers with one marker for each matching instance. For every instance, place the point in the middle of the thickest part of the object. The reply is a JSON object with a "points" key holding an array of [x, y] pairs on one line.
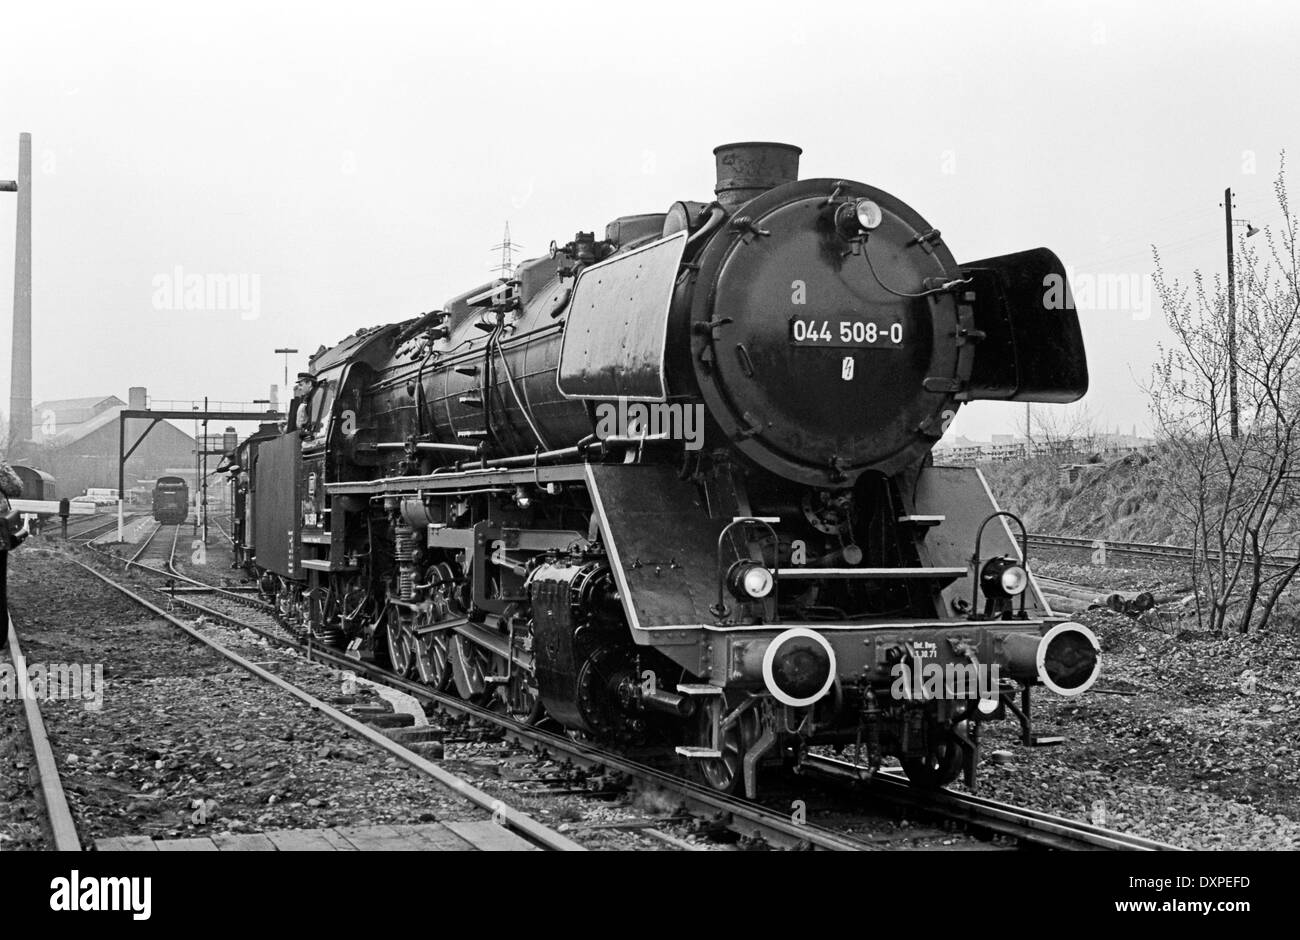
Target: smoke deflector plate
{"points": [[617, 329]]}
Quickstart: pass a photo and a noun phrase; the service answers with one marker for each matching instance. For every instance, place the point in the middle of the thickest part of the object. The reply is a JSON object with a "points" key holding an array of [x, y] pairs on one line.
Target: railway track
{"points": [[526, 826], [987, 817], [753, 823], [63, 829], [750, 822], [992, 816], [155, 551], [95, 529], [156, 554], [1139, 549]]}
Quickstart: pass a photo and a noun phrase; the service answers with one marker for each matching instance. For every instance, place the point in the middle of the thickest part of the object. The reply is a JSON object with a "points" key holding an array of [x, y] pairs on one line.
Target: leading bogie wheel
{"points": [[940, 767], [726, 773]]}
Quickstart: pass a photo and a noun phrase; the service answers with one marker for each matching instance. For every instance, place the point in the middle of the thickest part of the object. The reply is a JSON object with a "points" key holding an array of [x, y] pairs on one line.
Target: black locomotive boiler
{"points": [[673, 487]]}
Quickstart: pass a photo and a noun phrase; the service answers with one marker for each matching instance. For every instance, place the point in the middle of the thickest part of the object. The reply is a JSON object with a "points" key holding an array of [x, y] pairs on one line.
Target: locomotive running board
{"points": [[434, 482], [946, 575]]}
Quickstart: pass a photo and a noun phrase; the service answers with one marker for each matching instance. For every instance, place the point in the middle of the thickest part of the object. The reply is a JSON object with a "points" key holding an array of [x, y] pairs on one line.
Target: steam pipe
{"points": [[524, 460]]}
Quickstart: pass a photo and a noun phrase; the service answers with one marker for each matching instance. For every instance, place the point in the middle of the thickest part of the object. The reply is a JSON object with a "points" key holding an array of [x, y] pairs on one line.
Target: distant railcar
{"points": [[37, 484], [171, 500], [240, 464]]}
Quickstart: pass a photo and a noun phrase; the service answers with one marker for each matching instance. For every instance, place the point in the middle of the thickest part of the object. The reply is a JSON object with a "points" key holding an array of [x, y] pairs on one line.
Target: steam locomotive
{"points": [[672, 488]]}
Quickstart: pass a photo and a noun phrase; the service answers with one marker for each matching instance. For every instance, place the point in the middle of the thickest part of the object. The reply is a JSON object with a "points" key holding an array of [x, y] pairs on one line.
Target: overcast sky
{"points": [[354, 163]]}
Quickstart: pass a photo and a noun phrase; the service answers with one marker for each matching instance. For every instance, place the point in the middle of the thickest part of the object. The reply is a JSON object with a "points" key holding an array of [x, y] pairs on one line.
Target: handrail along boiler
{"points": [[673, 487]]}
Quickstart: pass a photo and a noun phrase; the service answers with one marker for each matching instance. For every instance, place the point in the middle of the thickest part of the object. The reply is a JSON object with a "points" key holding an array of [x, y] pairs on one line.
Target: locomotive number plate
{"points": [[845, 332]]}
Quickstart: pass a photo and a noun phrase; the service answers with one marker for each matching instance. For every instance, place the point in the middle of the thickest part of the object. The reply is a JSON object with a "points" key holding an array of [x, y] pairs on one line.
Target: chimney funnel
{"points": [[747, 169]]}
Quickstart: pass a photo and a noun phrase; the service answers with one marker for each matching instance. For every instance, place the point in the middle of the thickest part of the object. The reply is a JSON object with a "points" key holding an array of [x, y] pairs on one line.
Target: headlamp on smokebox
{"points": [[857, 217], [750, 581]]}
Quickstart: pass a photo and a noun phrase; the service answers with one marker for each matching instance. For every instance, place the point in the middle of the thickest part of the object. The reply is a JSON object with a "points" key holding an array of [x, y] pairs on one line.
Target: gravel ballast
{"points": [[186, 743]]}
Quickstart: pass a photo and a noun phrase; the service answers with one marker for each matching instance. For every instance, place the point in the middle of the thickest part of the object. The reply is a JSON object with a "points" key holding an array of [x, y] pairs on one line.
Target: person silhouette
{"points": [[300, 407], [11, 486]]}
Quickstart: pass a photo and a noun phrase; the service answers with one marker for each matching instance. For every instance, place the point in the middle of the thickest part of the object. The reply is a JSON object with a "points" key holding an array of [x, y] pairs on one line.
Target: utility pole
{"points": [[1232, 319], [286, 353], [198, 468], [203, 481]]}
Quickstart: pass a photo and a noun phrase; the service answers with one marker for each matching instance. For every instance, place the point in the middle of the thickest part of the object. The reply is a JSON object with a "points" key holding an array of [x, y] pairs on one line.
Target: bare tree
{"points": [[1238, 495], [1064, 432]]}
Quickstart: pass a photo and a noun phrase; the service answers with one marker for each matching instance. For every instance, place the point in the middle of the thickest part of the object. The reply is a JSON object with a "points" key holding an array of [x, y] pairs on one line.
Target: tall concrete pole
{"points": [[1232, 319], [20, 375]]}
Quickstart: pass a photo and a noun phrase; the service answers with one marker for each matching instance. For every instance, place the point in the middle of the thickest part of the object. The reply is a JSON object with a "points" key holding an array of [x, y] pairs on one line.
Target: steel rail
{"points": [[171, 571], [747, 819], [1148, 549], [520, 822], [144, 546], [57, 810], [92, 532], [1021, 822], [1051, 831]]}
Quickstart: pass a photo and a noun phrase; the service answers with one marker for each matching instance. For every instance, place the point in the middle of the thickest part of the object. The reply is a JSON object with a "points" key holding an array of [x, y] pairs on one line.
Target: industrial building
{"points": [[76, 440]]}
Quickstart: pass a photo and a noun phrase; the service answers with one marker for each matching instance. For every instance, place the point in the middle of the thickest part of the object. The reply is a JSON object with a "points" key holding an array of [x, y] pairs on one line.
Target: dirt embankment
{"points": [[1133, 498]]}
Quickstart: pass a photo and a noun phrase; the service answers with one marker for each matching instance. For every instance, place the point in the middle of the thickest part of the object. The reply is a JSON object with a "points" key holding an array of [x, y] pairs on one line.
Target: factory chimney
{"points": [[20, 373]]}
